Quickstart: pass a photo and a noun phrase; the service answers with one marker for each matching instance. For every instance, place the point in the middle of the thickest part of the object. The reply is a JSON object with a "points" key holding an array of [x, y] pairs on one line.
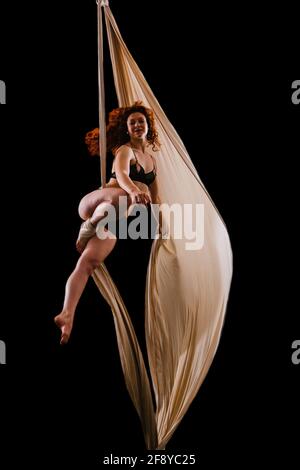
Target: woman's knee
{"points": [[91, 201], [88, 264], [83, 209]]}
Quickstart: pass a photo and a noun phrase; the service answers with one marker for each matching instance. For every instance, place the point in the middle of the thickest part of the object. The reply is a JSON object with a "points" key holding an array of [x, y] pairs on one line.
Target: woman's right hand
{"points": [[139, 197]]}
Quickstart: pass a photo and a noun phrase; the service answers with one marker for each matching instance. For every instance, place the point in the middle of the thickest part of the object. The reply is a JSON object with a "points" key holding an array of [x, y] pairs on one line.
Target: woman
{"points": [[130, 132]]}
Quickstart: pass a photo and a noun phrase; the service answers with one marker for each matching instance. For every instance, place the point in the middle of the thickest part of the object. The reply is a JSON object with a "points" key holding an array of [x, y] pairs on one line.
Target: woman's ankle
{"points": [[66, 312]]}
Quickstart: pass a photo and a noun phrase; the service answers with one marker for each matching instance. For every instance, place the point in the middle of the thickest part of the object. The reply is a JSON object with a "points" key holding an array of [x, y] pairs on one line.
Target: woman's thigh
{"points": [[89, 202]]}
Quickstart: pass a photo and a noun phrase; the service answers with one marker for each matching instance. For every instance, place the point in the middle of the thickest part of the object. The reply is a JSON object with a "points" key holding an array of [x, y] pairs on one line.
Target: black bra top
{"points": [[140, 175]]}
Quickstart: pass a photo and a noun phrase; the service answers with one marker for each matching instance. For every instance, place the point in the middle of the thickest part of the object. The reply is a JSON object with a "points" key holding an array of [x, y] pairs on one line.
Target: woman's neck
{"points": [[138, 144]]}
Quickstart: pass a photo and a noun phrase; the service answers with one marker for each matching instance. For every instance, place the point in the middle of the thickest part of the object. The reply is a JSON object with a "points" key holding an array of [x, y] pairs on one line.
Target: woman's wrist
{"points": [[133, 190]]}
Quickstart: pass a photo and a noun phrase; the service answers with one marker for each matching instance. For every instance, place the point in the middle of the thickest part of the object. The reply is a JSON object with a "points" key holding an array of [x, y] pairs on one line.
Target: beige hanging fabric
{"points": [[102, 124], [187, 289]]}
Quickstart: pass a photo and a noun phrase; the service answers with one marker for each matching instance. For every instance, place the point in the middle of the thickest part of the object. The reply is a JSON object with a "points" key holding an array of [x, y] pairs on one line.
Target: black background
{"points": [[236, 118]]}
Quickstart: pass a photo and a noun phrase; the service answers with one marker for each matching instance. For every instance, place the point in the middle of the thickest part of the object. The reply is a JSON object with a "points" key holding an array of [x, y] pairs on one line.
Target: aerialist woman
{"points": [[131, 133]]}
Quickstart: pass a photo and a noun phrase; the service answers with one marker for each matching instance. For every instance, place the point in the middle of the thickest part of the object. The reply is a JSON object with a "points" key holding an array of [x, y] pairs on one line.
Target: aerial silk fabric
{"points": [[186, 290]]}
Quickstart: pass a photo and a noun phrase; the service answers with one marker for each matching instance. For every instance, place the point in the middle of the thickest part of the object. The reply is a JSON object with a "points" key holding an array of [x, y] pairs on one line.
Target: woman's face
{"points": [[137, 126]]}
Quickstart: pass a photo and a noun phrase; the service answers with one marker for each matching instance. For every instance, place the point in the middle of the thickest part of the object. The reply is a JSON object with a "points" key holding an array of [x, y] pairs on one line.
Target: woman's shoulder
{"points": [[124, 149]]}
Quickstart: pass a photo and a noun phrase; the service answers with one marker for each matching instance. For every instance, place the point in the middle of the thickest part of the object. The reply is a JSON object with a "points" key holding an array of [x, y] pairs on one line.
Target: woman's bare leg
{"points": [[95, 253], [94, 207], [91, 201], [108, 195]]}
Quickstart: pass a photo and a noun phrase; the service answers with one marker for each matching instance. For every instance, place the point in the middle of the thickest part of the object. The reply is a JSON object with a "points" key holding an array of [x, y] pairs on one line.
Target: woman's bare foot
{"points": [[65, 322]]}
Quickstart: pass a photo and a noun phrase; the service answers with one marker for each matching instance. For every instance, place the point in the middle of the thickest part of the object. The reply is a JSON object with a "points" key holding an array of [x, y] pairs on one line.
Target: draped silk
{"points": [[186, 290]]}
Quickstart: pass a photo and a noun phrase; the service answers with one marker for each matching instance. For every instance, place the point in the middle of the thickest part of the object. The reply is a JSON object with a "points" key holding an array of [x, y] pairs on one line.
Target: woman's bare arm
{"points": [[122, 169]]}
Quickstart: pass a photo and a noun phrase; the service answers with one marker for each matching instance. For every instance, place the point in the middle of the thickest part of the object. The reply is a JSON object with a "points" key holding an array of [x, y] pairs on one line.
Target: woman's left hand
{"points": [[140, 197]]}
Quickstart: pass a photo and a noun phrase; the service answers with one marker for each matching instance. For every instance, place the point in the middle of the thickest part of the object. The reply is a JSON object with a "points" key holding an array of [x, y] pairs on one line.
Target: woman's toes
{"points": [[64, 338], [64, 322]]}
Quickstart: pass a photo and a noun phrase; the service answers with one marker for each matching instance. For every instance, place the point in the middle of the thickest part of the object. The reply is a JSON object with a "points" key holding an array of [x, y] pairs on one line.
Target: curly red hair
{"points": [[116, 129]]}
